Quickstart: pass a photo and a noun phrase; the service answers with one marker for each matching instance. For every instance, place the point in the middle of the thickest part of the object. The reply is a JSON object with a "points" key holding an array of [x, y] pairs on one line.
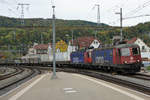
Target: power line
{"points": [[136, 16], [134, 11], [140, 7]]}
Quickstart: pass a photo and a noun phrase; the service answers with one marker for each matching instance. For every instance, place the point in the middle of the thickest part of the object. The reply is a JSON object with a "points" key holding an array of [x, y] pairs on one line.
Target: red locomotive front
{"points": [[130, 55]]}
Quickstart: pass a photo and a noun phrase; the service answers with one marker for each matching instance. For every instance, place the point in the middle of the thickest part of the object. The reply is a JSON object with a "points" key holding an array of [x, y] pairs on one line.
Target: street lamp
{"points": [[54, 59]]}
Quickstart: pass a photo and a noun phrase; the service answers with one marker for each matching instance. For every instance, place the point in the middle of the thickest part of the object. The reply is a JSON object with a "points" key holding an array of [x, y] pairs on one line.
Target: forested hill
{"points": [[15, 22], [17, 37]]}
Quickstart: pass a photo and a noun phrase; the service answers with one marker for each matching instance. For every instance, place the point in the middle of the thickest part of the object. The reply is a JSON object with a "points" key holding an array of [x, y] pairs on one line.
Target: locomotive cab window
{"points": [[119, 52], [135, 51], [125, 52]]}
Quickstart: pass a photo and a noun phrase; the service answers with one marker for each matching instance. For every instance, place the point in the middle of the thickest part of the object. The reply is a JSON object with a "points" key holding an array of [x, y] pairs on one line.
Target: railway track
{"points": [[16, 79], [141, 76], [17, 71]]}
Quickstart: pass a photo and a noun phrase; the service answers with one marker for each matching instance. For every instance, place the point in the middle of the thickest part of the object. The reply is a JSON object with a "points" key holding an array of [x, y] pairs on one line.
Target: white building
{"points": [[138, 41], [44, 53], [86, 42], [145, 50]]}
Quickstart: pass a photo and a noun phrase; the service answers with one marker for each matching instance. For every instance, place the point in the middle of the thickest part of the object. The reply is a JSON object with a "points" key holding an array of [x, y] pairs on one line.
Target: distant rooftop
{"points": [[84, 41], [41, 46]]}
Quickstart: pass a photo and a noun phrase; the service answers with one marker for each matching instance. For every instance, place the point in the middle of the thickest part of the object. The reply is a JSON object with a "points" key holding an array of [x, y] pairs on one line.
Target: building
{"points": [[39, 52], [138, 41], [86, 42], [145, 50], [44, 52]]}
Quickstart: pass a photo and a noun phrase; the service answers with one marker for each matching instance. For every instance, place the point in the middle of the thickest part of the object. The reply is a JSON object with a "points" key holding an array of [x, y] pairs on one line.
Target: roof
{"points": [[84, 42], [127, 45], [119, 46], [1, 55], [41, 46], [132, 40]]}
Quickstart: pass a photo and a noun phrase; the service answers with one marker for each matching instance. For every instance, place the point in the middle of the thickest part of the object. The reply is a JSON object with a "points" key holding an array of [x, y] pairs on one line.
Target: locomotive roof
{"points": [[120, 46], [126, 46]]}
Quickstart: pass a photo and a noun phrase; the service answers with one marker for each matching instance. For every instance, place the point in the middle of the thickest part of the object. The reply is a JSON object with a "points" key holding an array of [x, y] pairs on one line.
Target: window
{"points": [[119, 52], [135, 51], [125, 52], [40, 51], [45, 51], [143, 47]]}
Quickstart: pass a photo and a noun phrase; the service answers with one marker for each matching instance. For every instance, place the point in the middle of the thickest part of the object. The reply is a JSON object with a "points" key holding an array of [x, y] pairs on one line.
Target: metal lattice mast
{"points": [[98, 17], [98, 14], [22, 11]]}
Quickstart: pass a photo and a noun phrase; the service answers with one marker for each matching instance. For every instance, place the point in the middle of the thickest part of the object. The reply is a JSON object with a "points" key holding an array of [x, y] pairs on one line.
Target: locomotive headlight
{"points": [[125, 62], [138, 60], [131, 58]]}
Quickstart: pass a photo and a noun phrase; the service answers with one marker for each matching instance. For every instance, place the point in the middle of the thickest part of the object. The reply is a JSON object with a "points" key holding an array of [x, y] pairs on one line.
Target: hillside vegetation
{"points": [[19, 37]]}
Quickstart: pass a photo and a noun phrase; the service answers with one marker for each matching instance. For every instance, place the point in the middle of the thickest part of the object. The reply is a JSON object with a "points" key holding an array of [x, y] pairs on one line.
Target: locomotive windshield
{"points": [[125, 52], [135, 51]]}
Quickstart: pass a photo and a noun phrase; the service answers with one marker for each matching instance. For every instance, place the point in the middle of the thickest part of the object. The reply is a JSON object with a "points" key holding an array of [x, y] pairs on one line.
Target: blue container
{"points": [[77, 57], [102, 56]]}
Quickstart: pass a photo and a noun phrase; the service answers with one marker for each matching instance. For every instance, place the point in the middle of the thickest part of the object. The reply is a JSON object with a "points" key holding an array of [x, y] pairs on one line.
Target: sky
{"points": [[81, 10]]}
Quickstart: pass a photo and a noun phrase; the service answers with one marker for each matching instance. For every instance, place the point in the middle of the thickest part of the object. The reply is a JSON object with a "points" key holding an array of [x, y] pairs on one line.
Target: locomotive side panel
{"points": [[77, 57], [102, 56]]}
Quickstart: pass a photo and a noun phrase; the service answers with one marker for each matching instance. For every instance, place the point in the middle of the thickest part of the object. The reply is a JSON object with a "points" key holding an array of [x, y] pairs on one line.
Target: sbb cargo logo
{"points": [[99, 60], [75, 60]]}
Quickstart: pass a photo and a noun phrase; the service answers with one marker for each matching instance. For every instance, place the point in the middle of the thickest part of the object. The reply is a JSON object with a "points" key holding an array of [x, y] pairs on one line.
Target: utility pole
{"points": [[98, 17], [41, 38], [54, 34], [22, 11], [120, 23]]}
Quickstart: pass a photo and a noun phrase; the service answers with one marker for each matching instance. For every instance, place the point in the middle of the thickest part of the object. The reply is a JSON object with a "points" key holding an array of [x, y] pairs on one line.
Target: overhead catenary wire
{"points": [[130, 14], [140, 7], [12, 6]]}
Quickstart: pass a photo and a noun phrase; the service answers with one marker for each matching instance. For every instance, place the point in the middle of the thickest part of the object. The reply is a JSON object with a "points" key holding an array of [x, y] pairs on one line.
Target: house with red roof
{"points": [[41, 48], [138, 41], [38, 52], [86, 42]]}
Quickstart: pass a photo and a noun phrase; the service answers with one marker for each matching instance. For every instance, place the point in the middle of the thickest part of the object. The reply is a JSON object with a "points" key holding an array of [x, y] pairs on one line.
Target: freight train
{"points": [[124, 58]]}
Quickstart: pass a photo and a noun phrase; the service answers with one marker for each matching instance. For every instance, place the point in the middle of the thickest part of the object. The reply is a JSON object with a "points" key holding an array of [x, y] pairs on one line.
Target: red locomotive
{"points": [[121, 58]]}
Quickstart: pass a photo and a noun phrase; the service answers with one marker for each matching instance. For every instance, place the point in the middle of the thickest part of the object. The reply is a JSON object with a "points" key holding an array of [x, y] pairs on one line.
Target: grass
{"points": [[148, 68]]}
